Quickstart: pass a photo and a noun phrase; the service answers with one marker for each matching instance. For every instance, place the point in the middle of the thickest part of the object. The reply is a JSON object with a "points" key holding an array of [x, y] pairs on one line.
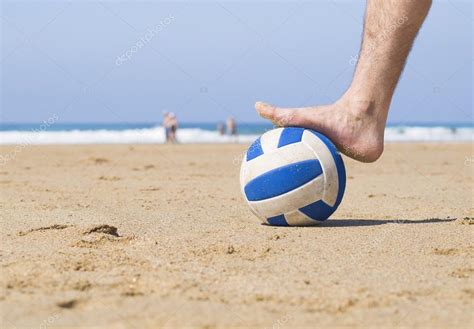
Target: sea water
{"points": [[142, 133]]}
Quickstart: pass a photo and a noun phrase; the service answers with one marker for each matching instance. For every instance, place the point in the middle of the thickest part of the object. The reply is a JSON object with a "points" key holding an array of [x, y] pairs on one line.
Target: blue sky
{"points": [[208, 60]]}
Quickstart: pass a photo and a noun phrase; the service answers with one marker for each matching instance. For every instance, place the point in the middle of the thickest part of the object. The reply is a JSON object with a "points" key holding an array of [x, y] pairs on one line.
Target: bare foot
{"points": [[355, 127]]}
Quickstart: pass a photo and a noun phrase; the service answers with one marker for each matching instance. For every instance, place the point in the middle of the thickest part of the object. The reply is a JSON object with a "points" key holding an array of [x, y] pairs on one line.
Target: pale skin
{"points": [[356, 122]]}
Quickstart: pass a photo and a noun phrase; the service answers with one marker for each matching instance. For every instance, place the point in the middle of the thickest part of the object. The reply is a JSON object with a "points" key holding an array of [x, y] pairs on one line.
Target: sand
{"points": [[152, 236]]}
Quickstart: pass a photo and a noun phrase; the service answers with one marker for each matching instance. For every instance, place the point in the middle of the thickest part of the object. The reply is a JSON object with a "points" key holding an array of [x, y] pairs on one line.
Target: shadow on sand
{"points": [[373, 222]]}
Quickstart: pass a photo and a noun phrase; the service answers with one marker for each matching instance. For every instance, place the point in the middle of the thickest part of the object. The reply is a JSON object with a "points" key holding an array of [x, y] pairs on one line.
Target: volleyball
{"points": [[292, 177]]}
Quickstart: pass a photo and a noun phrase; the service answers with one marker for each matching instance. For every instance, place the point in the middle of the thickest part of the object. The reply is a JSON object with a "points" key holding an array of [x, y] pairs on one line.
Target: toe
{"points": [[265, 110], [284, 116]]}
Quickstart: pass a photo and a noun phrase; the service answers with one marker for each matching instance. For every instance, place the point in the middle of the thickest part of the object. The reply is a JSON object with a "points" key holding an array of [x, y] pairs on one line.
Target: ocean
{"points": [[127, 133]]}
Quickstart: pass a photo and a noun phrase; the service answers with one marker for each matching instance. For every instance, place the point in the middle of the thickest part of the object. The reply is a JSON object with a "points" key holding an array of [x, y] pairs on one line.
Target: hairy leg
{"points": [[356, 122]]}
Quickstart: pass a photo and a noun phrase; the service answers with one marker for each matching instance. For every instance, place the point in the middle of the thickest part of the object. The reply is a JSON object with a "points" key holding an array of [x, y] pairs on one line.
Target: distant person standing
{"points": [[166, 125], [221, 128], [173, 125], [231, 126]]}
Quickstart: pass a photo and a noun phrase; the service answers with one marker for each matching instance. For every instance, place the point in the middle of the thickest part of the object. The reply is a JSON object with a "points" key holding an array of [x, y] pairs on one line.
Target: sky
{"points": [[110, 61]]}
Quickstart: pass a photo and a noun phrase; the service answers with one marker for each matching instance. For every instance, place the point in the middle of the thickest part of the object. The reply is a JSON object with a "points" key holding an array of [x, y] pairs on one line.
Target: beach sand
{"points": [[151, 236]]}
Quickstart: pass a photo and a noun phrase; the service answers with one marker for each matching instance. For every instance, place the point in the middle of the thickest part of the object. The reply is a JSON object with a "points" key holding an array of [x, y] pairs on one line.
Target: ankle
{"points": [[365, 105]]}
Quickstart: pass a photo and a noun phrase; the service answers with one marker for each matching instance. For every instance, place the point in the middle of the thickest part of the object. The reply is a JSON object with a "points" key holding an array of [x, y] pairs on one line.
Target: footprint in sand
{"points": [[100, 235], [104, 228], [468, 251], [45, 228], [150, 189], [110, 178], [68, 304], [92, 237], [99, 161]]}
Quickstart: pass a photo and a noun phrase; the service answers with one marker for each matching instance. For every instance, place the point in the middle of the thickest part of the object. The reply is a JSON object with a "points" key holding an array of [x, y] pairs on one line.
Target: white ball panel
{"points": [[328, 165], [269, 140], [297, 218]]}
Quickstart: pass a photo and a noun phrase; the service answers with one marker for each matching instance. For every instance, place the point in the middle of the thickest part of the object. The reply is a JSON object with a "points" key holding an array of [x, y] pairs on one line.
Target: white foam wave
{"points": [[429, 134], [130, 136], [196, 135]]}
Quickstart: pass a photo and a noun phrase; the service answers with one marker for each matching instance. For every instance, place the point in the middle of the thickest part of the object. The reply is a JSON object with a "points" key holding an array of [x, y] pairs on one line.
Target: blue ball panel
{"points": [[277, 221], [281, 180], [318, 210], [341, 171], [255, 150], [290, 135]]}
